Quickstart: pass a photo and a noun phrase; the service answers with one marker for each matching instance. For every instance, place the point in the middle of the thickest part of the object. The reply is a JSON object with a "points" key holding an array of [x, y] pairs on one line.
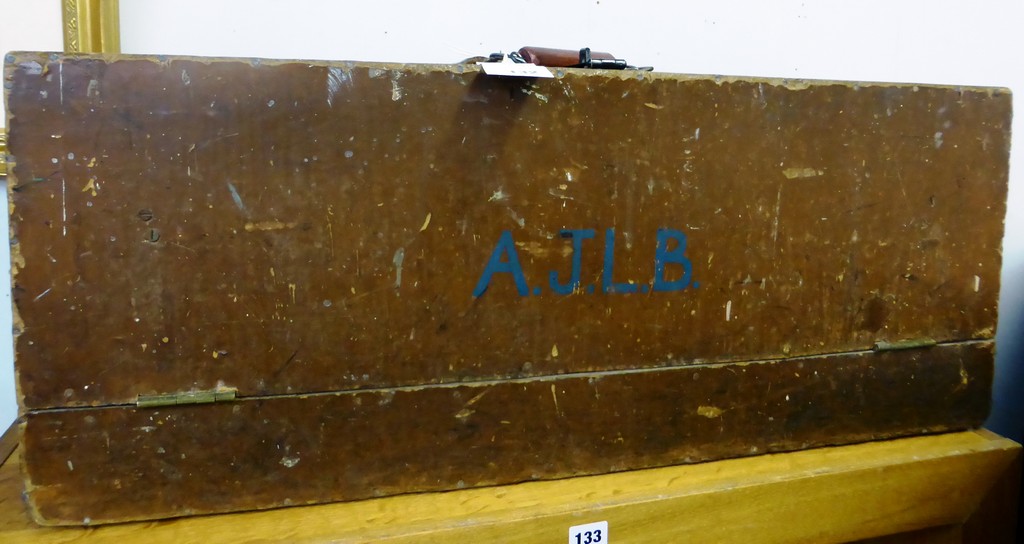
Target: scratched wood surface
{"points": [[286, 228], [290, 450]]}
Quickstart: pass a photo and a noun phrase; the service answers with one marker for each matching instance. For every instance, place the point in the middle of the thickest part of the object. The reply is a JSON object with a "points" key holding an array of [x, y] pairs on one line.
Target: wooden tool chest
{"points": [[243, 284]]}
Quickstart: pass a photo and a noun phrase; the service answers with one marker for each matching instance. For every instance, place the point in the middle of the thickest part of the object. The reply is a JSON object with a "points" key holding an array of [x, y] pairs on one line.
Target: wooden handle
{"points": [[545, 56]]}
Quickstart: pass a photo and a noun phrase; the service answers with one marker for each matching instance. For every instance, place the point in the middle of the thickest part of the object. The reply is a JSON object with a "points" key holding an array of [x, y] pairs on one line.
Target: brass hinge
{"points": [[223, 394], [883, 345]]}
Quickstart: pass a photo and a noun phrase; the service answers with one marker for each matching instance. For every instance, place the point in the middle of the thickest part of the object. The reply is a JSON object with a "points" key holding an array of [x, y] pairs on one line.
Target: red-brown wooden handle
{"points": [[545, 56]]}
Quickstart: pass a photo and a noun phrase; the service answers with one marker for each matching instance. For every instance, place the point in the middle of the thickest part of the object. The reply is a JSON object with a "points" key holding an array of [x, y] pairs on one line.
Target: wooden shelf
{"points": [[943, 488]]}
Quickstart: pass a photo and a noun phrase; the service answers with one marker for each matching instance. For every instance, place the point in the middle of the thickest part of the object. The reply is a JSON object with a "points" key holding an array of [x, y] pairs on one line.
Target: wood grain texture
{"points": [[288, 228], [8, 441], [420, 278], [826, 495], [114, 464]]}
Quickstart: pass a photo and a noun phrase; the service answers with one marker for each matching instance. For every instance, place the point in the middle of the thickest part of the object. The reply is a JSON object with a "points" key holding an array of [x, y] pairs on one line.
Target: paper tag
{"points": [[591, 533], [515, 69]]}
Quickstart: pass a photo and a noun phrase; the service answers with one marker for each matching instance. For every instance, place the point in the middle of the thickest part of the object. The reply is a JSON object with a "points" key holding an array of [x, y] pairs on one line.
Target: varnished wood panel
{"points": [[419, 278], [292, 227], [112, 464]]}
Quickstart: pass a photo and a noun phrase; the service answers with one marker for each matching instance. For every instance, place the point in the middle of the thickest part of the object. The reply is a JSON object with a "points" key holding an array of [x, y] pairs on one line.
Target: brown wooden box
{"points": [[244, 284]]}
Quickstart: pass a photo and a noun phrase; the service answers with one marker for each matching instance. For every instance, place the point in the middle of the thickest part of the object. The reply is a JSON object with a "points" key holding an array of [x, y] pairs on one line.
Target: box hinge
{"points": [[222, 394], [883, 345]]}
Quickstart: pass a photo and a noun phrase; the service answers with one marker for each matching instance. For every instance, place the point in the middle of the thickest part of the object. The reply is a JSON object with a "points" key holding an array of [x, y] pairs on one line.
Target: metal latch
{"points": [[221, 394]]}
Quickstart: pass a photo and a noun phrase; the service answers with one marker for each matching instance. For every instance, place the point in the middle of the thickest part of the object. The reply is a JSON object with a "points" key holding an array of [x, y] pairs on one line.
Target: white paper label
{"points": [[515, 69], [591, 533]]}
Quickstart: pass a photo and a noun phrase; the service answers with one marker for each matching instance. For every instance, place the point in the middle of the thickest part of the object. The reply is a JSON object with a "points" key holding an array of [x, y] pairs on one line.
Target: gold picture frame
{"points": [[90, 26]]}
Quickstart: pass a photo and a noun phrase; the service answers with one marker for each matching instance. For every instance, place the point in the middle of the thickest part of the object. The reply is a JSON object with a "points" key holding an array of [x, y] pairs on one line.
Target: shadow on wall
{"points": [[1007, 416]]}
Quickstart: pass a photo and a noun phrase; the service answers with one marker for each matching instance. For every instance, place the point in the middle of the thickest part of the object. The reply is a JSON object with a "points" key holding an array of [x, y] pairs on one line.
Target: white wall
{"points": [[926, 41]]}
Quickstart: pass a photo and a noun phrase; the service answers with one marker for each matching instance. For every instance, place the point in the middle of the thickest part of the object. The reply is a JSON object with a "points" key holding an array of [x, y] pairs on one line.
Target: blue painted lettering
{"points": [[673, 271], [577, 235], [664, 256], [506, 246], [608, 285]]}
